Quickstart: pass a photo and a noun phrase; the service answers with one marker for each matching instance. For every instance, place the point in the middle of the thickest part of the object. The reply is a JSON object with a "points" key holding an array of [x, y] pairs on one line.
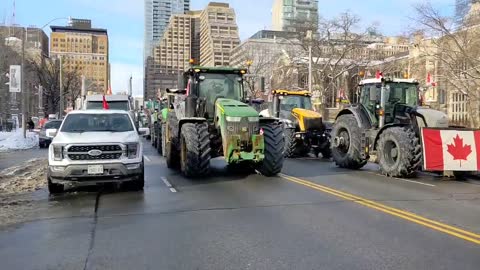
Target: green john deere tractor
{"points": [[212, 119]]}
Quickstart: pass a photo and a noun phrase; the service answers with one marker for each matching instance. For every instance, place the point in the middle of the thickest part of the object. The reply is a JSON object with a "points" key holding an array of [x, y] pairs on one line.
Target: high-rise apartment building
{"points": [[290, 15], [84, 49], [157, 15], [172, 54], [218, 34]]}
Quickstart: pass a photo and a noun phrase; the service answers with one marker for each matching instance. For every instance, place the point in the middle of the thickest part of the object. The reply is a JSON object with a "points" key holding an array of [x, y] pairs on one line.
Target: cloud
{"points": [[120, 74]]}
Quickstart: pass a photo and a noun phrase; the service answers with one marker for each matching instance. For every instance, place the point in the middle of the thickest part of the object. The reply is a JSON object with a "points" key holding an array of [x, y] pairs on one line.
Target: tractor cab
{"points": [[389, 101], [208, 84]]}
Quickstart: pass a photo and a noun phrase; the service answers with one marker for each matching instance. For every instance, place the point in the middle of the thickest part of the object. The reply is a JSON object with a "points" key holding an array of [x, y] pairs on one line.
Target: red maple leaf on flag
{"points": [[458, 150]]}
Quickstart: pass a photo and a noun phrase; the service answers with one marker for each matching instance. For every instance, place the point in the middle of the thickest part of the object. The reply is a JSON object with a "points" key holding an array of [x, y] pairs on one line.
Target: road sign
{"points": [[15, 79]]}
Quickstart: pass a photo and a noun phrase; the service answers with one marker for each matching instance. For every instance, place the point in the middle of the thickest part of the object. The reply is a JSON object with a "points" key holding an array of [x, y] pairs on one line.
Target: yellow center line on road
{"points": [[432, 224]]}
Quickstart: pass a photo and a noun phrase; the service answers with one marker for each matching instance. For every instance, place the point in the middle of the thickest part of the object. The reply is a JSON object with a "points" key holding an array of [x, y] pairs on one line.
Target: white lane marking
{"points": [[404, 180], [173, 190], [147, 158], [415, 182], [166, 182]]}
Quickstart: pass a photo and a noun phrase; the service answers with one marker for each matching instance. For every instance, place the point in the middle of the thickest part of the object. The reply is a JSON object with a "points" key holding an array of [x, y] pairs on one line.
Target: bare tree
{"points": [[338, 53], [456, 51], [48, 74]]}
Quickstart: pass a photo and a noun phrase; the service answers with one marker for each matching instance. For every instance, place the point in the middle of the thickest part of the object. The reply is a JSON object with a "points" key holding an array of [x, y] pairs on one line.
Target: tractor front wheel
{"points": [[274, 143], [399, 152], [195, 150], [347, 143]]}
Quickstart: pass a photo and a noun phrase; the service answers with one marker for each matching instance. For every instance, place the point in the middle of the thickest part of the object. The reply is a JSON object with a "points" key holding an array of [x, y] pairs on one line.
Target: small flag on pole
{"points": [[105, 104]]}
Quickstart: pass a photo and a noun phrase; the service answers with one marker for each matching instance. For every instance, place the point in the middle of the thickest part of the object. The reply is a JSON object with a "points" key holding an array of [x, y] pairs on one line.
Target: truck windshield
{"points": [[289, 103], [97, 123], [114, 105]]}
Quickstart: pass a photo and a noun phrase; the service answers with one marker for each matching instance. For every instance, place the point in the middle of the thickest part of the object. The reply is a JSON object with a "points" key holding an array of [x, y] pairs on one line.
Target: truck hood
{"points": [[96, 137], [232, 107]]}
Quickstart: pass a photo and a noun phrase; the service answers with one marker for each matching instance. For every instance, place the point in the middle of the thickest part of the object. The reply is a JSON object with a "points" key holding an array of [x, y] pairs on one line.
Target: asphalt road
{"points": [[313, 216], [9, 159]]}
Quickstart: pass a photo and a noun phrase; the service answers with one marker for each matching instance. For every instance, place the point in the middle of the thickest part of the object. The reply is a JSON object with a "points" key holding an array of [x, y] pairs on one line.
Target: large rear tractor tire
{"points": [[195, 150], [274, 142], [171, 153], [346, 152], [163, 143], [399, 152]]}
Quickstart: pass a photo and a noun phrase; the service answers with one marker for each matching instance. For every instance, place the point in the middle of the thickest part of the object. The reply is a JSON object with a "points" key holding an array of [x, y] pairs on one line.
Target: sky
{"points": [[124, 21]]}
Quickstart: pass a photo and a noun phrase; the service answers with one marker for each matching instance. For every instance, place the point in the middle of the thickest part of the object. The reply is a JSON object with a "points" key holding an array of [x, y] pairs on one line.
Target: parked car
{"points": [[43, 139], [93, 147]]}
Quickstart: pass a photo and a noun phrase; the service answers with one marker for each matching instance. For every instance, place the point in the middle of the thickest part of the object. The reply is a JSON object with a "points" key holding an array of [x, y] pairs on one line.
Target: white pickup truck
{"points": [[93, 147]]}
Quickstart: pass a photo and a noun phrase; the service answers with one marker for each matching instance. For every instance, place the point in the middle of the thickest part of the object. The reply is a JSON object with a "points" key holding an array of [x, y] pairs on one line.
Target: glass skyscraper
{"points": [[288, 15], [157, 16]]}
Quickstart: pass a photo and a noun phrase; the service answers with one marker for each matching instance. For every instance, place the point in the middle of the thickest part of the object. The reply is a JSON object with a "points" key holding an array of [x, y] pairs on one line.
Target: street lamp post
{"points": [[310, 75]]}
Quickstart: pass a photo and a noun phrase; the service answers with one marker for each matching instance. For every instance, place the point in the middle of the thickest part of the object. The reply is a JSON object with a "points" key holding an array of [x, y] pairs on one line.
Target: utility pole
{"points": [[22, 87], [309, 38], [61, 105]]}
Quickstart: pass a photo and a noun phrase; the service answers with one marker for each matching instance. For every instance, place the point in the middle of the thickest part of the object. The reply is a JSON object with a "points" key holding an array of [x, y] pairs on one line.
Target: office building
{"points": [[295, 15], [218, 34], [84, 49], [171, 55], [157, 15]]}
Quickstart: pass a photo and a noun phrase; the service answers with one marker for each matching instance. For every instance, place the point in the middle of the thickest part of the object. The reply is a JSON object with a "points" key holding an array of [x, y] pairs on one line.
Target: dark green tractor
{"points": [[212, 119]]}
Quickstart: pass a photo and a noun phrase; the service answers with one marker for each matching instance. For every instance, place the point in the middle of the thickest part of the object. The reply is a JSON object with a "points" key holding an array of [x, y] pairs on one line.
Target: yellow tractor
{"points": [[305, 131]]}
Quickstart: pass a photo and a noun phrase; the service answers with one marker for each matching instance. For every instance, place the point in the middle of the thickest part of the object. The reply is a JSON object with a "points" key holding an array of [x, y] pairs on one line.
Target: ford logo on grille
{"points": [[95, 152]]}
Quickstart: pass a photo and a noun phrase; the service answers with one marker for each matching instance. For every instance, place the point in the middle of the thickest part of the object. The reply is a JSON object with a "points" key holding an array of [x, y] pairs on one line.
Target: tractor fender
{"points": [[379, 133], [264, 120], [185, 120], [361, 117]]}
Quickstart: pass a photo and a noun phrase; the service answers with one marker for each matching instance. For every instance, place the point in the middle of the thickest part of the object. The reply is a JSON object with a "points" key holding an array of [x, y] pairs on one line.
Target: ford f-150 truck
{"points": [[93, 147]]}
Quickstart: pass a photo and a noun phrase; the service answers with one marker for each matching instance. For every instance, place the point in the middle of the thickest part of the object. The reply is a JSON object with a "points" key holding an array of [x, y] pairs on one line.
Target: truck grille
{"points": [[81, 152], [88, 157], [86, 148]]}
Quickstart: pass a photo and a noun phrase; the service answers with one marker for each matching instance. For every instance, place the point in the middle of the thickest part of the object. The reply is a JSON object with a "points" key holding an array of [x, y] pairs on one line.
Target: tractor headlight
{"points": [[233, 119], [289, 124], [253, 119]]}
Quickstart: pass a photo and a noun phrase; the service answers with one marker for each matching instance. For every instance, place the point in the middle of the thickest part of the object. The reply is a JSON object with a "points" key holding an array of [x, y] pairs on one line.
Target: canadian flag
{"points": [[451, 150], [378, 74], [429, 80]]}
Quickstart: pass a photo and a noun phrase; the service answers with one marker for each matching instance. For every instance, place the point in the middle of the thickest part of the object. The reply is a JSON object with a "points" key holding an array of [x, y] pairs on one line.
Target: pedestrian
{"points": [[31, 124], [42, 121]]}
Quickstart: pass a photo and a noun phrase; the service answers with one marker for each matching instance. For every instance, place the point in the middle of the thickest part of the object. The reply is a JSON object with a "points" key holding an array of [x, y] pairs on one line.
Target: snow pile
{"points": [[15, 141]]}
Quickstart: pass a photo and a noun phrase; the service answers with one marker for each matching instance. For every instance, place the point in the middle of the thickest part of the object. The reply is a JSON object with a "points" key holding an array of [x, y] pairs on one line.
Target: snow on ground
{"points": [[14, 140]]}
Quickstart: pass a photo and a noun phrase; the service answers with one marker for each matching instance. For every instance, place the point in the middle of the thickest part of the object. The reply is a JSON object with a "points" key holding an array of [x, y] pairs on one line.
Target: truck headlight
{"points": [[57, 152], [132, 150]]}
